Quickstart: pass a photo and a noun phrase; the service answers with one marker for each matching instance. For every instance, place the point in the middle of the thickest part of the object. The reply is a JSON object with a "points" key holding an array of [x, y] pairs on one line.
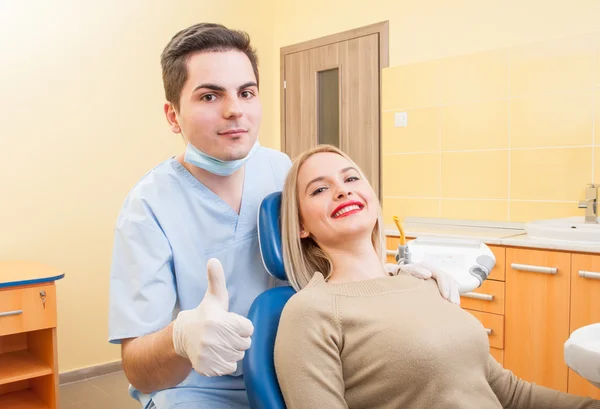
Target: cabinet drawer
{"points": [[23, 309], [494, 324], [487, 298], [499, 271], [498, 355], [392, 242]]}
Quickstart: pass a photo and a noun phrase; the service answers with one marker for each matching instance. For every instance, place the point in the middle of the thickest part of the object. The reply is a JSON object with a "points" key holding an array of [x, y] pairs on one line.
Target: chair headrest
{"points": [[269, 235]]}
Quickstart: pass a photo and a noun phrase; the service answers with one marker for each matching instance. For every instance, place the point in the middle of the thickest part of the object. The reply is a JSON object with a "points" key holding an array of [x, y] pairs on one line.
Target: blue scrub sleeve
{"points": [[143, 292]]}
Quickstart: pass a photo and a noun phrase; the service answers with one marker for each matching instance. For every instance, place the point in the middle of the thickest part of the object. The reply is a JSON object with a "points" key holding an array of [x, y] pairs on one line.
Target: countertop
{"points": [[21, 272], [496, 233]]}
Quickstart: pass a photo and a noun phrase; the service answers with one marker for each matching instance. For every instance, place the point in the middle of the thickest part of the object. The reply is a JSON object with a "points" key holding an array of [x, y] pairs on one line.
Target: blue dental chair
{"points": [[259, 370]]}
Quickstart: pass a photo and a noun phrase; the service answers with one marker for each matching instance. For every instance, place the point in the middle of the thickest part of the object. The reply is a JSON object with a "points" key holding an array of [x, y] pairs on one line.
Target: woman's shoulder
{"points": [[312, 300]]}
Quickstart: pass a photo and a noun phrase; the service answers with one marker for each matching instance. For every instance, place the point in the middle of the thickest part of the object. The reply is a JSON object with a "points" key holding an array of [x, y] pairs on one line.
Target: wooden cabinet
{"points": [[585, 310], [391, 245], [498, 355], [487, 298], [537, 315], [28, 359], [530, 304], [485, 303], [494, 326], [34, 314]]}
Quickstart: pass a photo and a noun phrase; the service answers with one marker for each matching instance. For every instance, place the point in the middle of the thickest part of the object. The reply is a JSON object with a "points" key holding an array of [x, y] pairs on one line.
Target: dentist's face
{"points": [[220, 111], [335, 201]]}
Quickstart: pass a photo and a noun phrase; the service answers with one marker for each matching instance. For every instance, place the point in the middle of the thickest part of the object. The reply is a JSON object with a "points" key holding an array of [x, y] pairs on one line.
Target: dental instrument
{"points": [[469, 262]]}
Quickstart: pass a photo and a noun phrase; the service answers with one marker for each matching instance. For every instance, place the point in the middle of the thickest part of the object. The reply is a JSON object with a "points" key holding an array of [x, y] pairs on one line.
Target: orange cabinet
{"points": [[498, 355], [538, 285], [494, 326], [27, 308], [530, 304], [585, 310], [28, 359], [487, 298], [485, 303]]}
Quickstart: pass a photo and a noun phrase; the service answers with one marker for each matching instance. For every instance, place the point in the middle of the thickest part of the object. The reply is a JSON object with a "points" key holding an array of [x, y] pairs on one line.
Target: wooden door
{"points": [[585, 310], [331, 95], [537, 315]]}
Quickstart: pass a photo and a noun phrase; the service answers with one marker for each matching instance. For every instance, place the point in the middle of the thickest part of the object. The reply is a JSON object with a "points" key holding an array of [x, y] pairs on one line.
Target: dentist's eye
{"points": [[209, 97], [247, 94]]}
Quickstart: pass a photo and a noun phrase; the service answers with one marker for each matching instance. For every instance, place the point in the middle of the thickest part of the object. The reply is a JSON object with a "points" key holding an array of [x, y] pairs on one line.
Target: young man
{"points": [[196, 212], [199, 205]]}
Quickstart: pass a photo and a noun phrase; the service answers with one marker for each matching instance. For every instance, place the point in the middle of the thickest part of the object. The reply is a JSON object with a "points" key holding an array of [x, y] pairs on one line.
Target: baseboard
{"points": [[90, 372]]}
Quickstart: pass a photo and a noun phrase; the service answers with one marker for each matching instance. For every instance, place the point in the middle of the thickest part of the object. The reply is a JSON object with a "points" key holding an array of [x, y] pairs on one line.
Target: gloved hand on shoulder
{"points": [[446, 283]]}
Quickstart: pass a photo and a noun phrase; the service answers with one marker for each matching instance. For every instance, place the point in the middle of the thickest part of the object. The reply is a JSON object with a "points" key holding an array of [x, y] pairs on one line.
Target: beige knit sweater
{"points": [[394, 343]]}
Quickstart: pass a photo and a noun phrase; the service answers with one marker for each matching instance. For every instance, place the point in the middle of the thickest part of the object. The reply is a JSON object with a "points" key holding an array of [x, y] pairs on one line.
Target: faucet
{"points": [[590, 204]]}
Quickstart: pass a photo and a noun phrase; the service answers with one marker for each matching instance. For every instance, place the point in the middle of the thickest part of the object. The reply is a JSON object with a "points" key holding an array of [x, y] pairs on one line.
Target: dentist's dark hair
{"points": [[197, 38]]}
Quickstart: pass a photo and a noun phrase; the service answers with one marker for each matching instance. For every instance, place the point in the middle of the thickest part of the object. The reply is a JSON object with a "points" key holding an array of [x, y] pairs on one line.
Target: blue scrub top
{"points": [[168, 228]]}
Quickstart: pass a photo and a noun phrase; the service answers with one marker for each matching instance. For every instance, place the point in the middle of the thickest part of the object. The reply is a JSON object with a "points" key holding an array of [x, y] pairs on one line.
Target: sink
{"points": [[582, 353], [565, 229]]}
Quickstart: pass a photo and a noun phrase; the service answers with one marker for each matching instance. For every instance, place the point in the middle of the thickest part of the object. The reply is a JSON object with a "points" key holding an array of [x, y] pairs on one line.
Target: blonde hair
{"points": [[303, 257]]}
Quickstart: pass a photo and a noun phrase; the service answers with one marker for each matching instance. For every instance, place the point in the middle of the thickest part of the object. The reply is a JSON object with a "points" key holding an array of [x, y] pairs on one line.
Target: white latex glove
{"points": [[446, 283], [212, 338]]}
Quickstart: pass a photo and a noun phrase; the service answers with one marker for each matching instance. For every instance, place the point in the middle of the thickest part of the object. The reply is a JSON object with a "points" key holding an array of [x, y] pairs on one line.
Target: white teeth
{"points": [[346, 209]]}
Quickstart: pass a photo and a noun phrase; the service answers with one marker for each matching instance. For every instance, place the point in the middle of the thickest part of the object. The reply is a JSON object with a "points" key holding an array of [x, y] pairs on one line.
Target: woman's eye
{"points": [[352, 179], [317, 191]]}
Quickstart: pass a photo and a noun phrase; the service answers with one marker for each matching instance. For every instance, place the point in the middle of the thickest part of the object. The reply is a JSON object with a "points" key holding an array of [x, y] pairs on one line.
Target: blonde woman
{"points": [[357, 337]]}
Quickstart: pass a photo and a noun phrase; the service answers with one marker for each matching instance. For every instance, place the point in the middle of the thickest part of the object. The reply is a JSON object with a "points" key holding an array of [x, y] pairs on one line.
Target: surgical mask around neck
{"points": [[213, 165]]}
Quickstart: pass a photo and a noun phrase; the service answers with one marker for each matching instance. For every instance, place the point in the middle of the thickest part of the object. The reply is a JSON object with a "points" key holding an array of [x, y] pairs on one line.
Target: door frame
{"points": [[381, 28]]}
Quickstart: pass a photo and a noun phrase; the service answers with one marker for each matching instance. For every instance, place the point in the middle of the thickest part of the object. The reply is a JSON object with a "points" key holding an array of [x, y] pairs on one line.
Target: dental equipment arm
{"points": [[468, 262], [448, 287]]}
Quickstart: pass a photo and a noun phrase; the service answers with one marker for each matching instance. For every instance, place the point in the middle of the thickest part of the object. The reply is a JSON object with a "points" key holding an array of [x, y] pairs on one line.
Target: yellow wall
{"points": [[433, 32], [504, 135], [427, 30], [80, 121]]}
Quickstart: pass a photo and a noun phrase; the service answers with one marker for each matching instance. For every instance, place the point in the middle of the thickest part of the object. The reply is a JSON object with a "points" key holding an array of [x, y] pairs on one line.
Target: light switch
{"points": [[400, 119]]}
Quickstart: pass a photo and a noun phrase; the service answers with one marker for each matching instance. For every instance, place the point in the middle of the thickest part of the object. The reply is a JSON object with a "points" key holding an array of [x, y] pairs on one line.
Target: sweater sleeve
{"points": [[515, 393], [307, 353]]}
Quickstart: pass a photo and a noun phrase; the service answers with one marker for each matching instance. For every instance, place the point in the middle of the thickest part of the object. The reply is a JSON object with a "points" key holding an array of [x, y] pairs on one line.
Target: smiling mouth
{"points": [[347, 210]]}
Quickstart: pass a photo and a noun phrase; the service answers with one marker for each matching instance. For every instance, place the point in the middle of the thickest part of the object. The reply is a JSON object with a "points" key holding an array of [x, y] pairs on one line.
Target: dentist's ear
{"points": [[304, 234], [172, 117]]}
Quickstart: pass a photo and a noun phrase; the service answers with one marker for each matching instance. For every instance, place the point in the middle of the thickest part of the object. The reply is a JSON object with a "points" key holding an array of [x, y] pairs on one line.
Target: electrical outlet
{"points": [[400, 119]]}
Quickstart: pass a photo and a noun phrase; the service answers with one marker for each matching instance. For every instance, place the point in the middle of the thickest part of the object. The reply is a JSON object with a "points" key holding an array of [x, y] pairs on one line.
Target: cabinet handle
{"points": [[589, 274], [489, 331], [10, 313], [478, 296], [534, 269]]}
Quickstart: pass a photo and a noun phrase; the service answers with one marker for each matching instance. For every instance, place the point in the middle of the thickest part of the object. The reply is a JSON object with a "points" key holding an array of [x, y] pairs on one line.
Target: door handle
{"points": [[534, 269], [11, 313], [589, 274], [489, 331], [479, 296]]}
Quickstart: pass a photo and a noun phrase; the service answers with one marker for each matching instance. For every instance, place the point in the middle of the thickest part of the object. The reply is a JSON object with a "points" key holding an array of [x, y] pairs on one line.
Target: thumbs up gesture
{"points": [[210, 336]]}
